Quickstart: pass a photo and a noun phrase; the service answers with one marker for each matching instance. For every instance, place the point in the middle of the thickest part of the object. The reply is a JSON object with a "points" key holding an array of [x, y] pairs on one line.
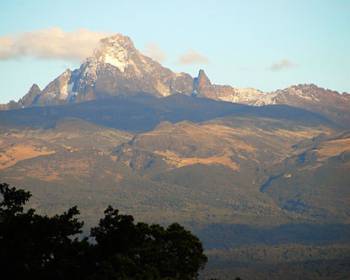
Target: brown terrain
{"points": [[265, 186]]}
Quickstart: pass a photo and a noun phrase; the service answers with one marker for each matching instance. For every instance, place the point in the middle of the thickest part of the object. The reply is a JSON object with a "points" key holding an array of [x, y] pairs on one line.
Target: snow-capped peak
{"points": [[115, 50]]}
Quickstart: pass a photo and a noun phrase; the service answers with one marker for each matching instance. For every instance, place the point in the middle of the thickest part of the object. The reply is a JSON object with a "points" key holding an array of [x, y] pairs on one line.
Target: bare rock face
{"points": [[58, 91], [31, 96], [202, 82], [202, 87], [116, 67], [311, 97], [29, 99], [329, 103]]}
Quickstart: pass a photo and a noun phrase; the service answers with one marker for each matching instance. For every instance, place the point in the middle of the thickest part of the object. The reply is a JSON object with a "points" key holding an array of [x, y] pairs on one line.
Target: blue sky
{"points": [[267, 44]]}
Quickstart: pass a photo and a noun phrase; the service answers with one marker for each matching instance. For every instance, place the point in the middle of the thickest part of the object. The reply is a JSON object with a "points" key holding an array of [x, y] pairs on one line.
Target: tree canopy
{"points": [[34, 246]]}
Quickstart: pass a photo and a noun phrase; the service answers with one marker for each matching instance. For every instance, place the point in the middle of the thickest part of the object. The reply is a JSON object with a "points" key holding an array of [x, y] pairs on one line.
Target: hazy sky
{"points": [[266, 44]]}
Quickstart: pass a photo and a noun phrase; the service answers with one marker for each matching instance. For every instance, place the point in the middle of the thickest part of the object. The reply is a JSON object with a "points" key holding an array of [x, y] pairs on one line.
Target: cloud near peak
{"points": [[193, 57], [55, 43], [283, 64], [52, 43]]}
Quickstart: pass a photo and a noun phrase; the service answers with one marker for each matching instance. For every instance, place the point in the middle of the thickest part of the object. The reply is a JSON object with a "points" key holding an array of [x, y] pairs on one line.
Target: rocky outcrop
{"points": [[31, 96], [201, 82], [202, 87]]}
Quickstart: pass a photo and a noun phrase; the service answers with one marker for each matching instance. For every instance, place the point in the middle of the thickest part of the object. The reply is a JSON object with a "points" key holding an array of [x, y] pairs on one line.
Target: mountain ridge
{"points": [[118, 68], [144, 112]]}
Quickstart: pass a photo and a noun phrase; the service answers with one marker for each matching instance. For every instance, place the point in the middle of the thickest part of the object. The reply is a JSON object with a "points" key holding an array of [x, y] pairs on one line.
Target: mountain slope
{"points": [[205, 172], [118, 68], [144, 112], [307, 96], [315, 182]]}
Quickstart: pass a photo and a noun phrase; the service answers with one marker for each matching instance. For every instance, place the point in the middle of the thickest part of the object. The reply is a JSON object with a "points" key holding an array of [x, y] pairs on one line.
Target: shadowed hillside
{"points": [[143, 112]]}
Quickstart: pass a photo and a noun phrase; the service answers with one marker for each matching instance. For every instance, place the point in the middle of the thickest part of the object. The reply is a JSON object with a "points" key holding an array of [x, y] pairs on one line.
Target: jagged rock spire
{"points": [[202, 81], [30, 97]]}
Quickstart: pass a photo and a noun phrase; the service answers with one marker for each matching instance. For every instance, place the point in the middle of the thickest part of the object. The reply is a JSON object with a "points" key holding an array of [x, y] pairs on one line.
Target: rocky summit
{"points": [[118, 68], [115, 68]]}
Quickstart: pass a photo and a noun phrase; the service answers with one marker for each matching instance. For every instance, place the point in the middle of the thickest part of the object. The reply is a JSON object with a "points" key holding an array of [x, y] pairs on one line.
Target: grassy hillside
{"points": [[241, 182]]}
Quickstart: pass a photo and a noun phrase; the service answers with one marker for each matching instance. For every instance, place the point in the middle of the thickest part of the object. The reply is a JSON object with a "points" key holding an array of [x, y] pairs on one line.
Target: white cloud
{"points": [[283, 64], [52, 43], [193, 57], [154, 51]]}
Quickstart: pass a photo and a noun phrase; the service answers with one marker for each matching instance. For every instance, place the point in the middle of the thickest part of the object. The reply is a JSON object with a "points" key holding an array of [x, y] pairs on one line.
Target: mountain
{"points": [[254, 174], [118, 68], [311, 97], [203, 87], [307, 96]]}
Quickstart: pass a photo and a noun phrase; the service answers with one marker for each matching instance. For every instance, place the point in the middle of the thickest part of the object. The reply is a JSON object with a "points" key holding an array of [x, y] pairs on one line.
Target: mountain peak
{"points": [[118, 40], [34, 87], [202, 81], [306, 86], [115, 50], [31, 96], [310, 90]]}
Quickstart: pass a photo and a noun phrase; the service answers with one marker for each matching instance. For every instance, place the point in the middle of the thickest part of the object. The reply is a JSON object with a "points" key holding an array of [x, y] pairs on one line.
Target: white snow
{"points": [[117, 61], [89, 71], [63, 92], [65, 86], [249, 96], [114, 53], [305, 95], [70, 90]]}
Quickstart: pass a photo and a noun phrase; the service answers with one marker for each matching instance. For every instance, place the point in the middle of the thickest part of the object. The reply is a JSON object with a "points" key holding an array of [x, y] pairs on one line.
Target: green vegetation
{"points": [[34, 246]]}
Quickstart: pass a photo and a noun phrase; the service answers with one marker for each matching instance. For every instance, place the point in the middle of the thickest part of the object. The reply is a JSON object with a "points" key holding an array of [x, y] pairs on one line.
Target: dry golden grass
{"points": [[175, 160], [186, 143], [300, 134], [207, 136], [231, 136], [333, 148], [16, 153]]}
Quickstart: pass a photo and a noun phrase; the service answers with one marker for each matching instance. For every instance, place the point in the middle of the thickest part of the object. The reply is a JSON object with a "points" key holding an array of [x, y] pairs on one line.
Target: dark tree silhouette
{"points": [[166, 252], [34, 246]]}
